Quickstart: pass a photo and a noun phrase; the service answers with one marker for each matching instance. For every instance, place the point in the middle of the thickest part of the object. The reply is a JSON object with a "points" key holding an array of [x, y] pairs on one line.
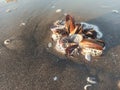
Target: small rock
{"points": [[55, 78], [58, 10], [49, 44]]}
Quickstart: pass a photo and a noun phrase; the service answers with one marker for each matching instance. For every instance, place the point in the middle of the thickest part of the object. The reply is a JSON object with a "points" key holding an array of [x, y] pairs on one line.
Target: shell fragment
{"points": [[49, 44], [88, 56], [58, 10], [55, 78], [91, 80], [86, 86]]}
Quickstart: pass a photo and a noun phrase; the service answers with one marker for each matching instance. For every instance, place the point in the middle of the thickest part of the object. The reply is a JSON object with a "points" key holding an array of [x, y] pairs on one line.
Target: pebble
{"points": [[58, 10], [49, 44]]}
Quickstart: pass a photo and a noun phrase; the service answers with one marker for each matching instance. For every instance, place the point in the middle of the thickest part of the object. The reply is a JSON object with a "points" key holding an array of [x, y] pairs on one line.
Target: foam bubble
{"points": [[94, 27]]}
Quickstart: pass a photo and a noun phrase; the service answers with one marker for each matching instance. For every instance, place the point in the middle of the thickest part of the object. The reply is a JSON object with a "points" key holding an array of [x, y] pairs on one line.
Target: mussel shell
{"points": [[92, 52], [92, 43]]}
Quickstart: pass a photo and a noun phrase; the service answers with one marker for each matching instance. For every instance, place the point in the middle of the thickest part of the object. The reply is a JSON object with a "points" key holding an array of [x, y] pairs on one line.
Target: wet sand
{"points": [[31, 65]]}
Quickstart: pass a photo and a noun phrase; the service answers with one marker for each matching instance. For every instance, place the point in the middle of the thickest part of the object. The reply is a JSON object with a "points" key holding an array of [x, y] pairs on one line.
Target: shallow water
{"points": [[31, 65]]}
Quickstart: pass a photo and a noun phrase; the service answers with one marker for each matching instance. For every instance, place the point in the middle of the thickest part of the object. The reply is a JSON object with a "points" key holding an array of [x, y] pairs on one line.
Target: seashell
{"points": [[59, 47], [92, 47], [70, 49], [59, 22], [92, 43], [76, 38], [53, 28], [91, 80], [8, 10], [70, 24], [15, 43], [88, 56], [7, 41], [49, 44], [92, 52], [118, 84], [115, 11], [23, 24], [86, 86], [58, 10], [69, 36], [55, 78], [55, 37], [90, 33]]}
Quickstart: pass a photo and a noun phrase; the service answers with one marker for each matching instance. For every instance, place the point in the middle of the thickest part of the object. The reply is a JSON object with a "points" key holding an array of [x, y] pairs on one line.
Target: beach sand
{"points": [[28, 64]]}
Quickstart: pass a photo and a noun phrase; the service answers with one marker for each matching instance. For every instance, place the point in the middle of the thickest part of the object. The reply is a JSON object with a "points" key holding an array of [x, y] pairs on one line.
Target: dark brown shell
{"points": [[92, 43], [70, 23]]}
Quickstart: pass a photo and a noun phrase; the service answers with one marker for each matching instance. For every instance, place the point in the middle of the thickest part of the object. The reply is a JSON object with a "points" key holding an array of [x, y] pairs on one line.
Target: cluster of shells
{"points": [[75, 38]]}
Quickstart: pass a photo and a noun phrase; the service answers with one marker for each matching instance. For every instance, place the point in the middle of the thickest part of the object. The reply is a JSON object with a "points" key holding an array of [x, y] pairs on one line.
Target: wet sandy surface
{"points": [[28, 64]]}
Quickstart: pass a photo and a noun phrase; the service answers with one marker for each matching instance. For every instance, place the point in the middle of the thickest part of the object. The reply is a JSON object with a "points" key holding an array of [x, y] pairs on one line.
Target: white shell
{"points": [[55, 37], [23, 24], [7, 41], [115, 11], [57, 27], [49, 44], [88, 56], [55, 78], [8, 10], [58, 10], [59, 47], [76, 38], [91, 80], [93, 52], [86, 86]]}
